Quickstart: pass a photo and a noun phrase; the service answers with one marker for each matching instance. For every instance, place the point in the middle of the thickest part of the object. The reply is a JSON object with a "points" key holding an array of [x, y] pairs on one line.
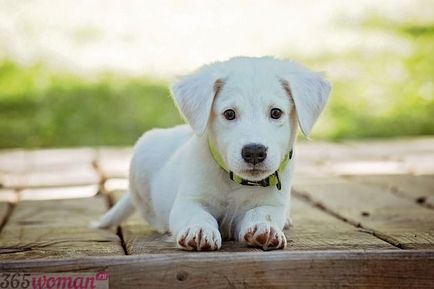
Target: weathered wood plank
{"points": [[417, 188], [139, 237], [283, 269], [402, 156], [54, 193], [4, 210], [314, 158], [327, 159], [394, 156], [20, 161], [397, 220], [114, 163], [421, 164], [115, 184], [397, 148], [57, 229], [63, 176], [8, 195], [313, 230]]}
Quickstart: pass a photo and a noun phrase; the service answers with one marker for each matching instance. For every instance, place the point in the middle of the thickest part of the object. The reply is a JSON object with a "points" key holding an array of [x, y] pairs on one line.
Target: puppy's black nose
{"points": [[254, 153]]}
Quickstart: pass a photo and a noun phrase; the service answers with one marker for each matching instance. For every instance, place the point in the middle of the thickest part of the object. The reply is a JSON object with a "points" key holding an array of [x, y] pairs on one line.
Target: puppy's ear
{"points": [[310, 92], [194, 95]]}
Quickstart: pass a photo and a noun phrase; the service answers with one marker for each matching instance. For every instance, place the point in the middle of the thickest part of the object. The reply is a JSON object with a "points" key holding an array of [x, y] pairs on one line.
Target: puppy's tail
{"points": [[118, 213]]}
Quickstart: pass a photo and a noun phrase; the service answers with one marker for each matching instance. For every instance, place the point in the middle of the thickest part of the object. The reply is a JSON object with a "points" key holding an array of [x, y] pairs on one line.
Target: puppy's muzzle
{"points": [[254, 153]]}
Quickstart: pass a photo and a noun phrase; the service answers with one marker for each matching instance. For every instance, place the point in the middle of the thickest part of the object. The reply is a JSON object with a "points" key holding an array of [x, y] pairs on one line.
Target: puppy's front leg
{"points": [[194, 227], [262, 227]]}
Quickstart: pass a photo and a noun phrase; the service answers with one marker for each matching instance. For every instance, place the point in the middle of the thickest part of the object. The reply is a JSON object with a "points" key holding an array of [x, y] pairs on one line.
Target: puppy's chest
{"points": [[229, 207], [229, 215], [231, 200]]}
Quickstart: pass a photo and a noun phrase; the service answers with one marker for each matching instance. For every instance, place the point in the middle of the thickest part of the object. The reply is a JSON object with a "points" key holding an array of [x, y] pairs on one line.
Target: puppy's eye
{"points": [[229, 114], [276, 113]]}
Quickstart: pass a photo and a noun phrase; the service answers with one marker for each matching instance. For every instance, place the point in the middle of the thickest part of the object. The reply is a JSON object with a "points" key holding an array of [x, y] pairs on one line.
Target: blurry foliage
{"points": [[382, 93], [377, 94], [39, 108]]}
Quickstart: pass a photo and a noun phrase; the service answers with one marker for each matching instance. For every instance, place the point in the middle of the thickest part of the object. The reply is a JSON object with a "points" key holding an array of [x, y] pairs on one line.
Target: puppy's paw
{"points": [[199, 238], [264, 236]]}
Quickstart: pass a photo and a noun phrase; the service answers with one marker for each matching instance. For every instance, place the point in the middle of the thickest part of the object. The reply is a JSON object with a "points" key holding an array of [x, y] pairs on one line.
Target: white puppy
{"points": [[228, 174]]}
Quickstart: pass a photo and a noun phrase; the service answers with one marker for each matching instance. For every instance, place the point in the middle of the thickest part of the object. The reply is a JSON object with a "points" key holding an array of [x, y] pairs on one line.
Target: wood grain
{"points": [[399, 221], [284, 269], [57, 229], [316, 230], [420, 188]]}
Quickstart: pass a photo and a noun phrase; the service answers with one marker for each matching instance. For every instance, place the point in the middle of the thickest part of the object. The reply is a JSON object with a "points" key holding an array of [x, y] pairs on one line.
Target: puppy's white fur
{"points": [[177, 185]]}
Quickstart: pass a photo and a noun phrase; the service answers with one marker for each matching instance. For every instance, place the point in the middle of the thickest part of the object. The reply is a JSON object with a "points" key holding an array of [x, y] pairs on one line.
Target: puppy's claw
{"points": [[199, 238], [264, 236]]}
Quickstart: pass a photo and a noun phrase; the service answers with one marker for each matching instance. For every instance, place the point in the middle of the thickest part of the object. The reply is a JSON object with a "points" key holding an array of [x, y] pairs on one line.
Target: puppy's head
{"points": [[249, 107]]}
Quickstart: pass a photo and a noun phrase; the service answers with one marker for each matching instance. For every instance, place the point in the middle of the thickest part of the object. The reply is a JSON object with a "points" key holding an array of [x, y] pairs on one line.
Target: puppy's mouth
{"points": [[255, 174]]}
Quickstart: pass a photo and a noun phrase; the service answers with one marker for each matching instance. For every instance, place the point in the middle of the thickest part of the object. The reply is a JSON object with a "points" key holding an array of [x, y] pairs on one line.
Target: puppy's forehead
{"points": [[253, 84]]}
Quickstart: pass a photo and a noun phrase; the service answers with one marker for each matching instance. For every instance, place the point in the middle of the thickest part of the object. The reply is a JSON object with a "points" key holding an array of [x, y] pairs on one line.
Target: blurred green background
{"points": [[376, 93]]}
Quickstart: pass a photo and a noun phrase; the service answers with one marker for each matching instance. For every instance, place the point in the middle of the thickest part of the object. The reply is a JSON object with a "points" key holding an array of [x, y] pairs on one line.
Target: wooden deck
{"points": [[363, 217]]}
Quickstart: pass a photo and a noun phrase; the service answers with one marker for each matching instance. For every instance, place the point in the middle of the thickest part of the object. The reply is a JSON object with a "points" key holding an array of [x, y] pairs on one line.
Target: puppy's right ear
{"points": [[194, 95]]}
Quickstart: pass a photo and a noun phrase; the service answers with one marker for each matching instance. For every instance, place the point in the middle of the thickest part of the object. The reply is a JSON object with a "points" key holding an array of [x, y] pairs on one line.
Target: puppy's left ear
{"points": [[310, 92], [194, 95]]}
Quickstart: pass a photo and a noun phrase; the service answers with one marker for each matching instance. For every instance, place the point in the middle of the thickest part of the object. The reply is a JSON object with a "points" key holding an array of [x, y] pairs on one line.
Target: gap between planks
{"points": [[308, 199], [396, 220], [5, 218], [119, 232], [57, 229], [283, 269], [101, 176], [96, 164], [10, 206]]}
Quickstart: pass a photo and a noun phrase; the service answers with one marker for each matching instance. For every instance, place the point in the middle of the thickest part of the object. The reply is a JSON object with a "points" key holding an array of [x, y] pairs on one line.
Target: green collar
{"points": [[272, 180]]}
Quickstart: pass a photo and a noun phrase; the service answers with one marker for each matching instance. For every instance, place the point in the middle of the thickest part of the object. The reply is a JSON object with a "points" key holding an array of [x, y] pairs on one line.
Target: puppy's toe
{"points": [[264, 236], [199, 238]]}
